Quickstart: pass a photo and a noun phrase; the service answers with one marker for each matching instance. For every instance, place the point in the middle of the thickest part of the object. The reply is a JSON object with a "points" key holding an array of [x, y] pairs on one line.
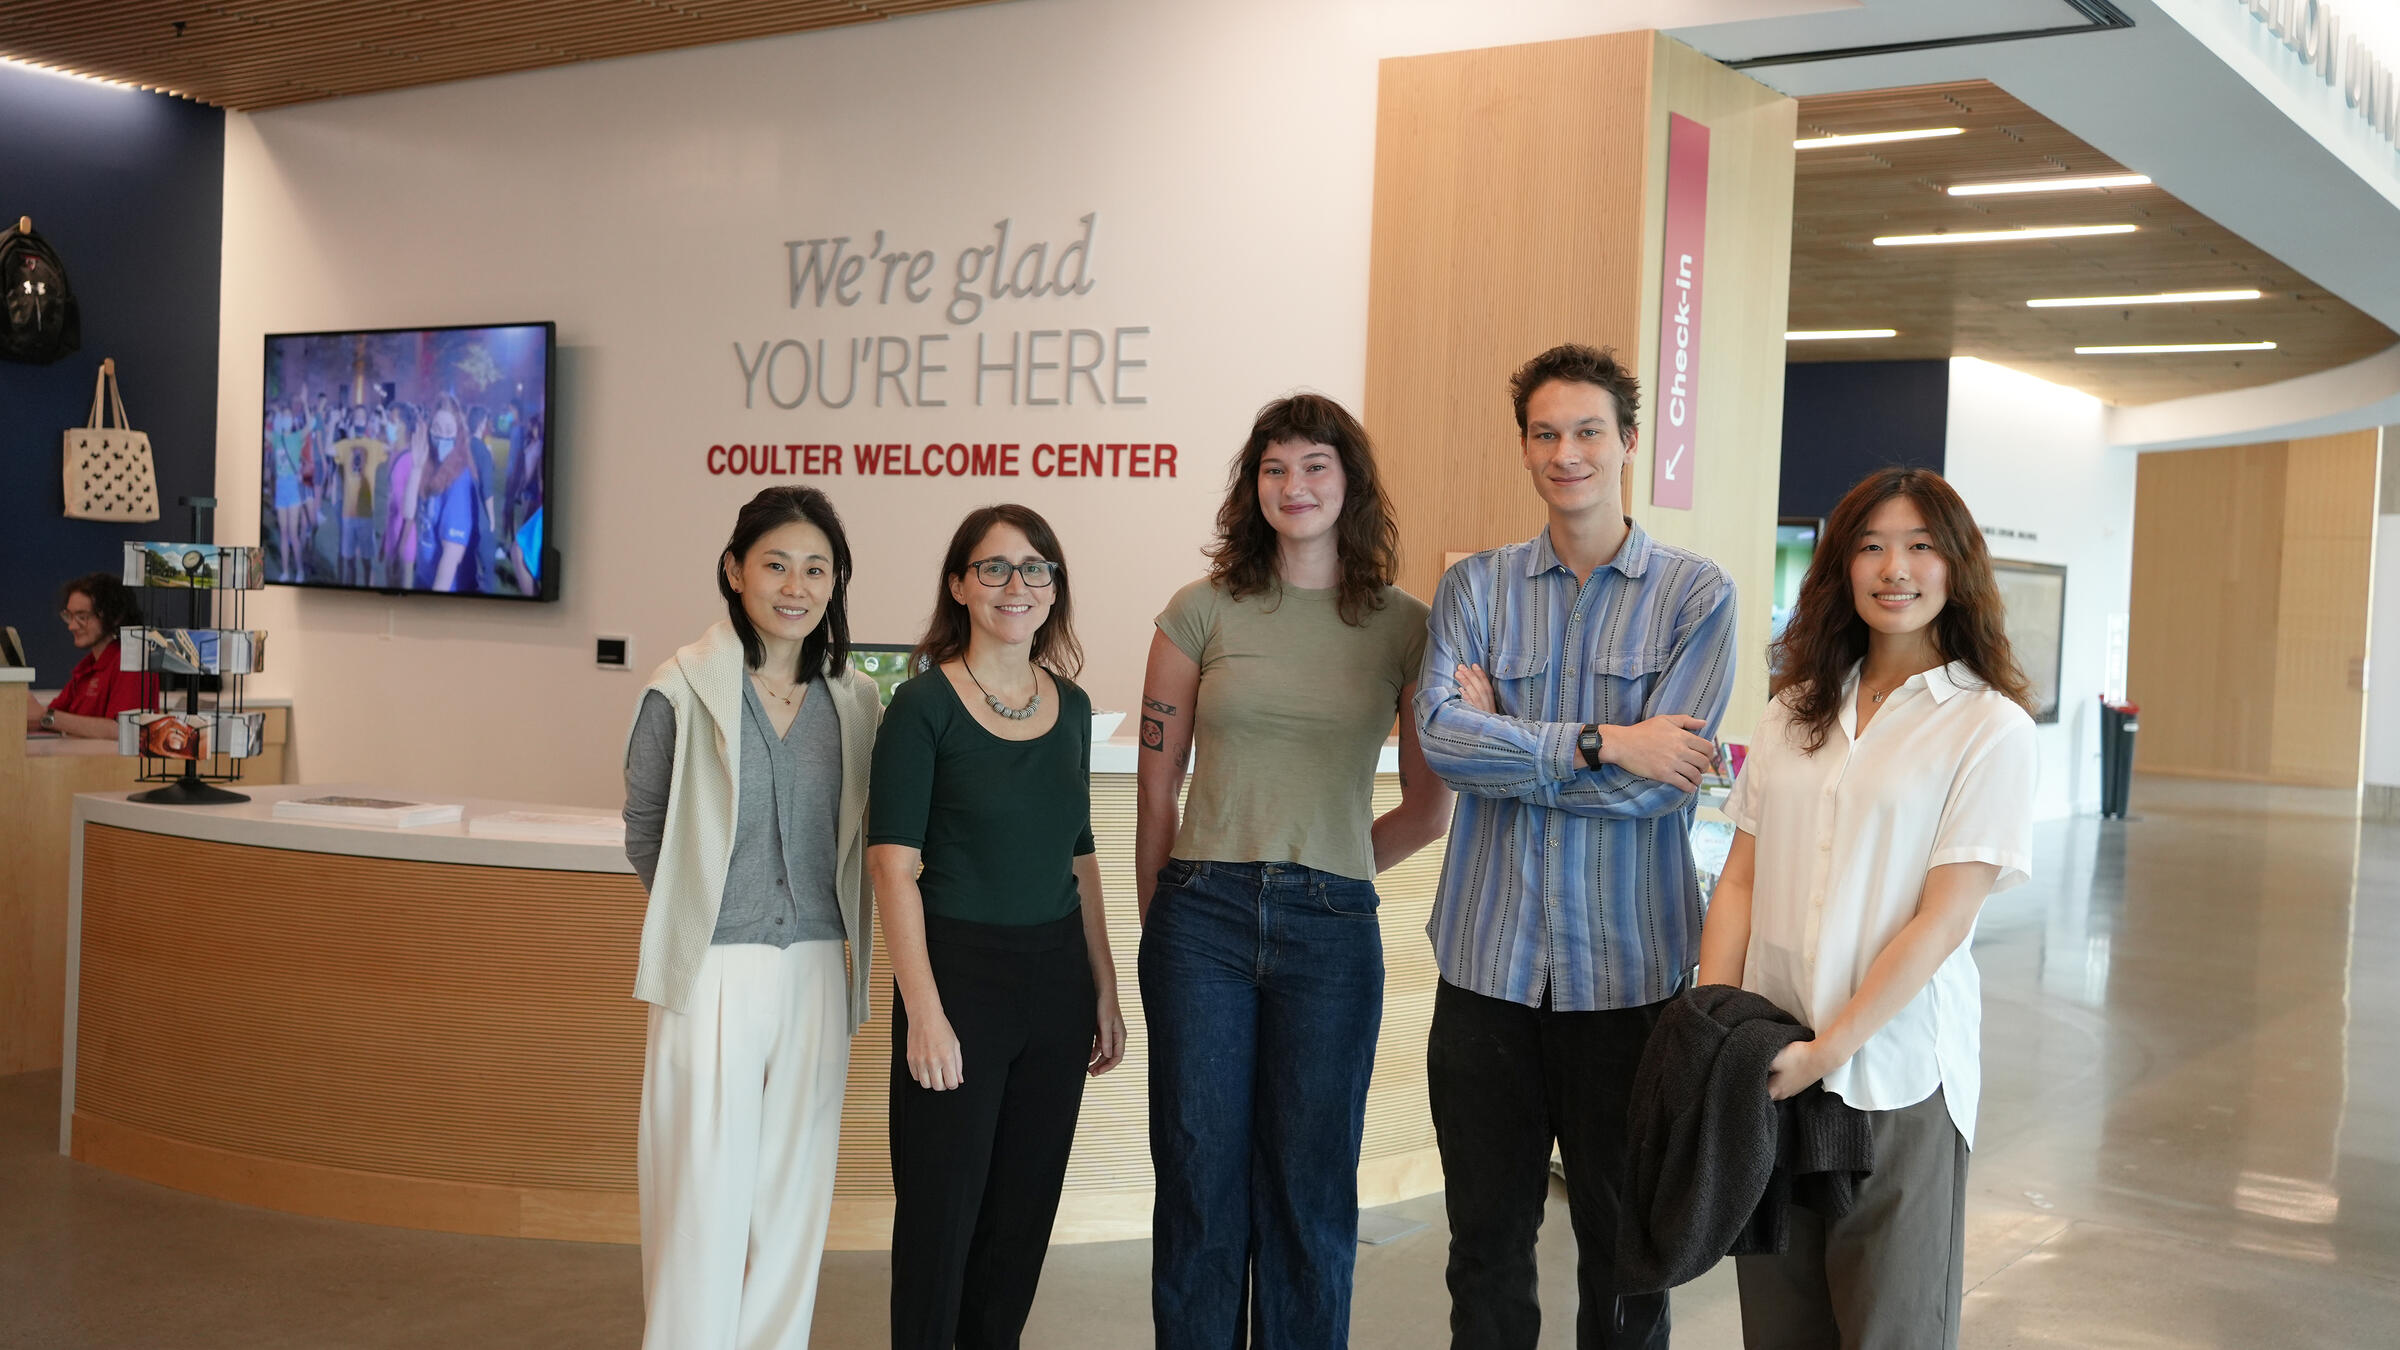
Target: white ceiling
{"points": [[2151, 97]]}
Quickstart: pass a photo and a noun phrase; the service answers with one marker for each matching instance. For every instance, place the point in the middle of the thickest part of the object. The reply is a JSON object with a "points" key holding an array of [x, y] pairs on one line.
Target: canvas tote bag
{"points": [[109, 473]]}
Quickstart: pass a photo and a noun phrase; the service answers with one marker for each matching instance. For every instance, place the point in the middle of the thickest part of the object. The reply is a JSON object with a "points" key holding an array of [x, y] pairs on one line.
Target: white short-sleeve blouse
{"points": [[1845, 836]]}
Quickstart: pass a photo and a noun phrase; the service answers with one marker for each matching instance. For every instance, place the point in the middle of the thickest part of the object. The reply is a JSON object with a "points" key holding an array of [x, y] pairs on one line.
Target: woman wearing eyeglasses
{"points": [[93, 608], [980, 846]]}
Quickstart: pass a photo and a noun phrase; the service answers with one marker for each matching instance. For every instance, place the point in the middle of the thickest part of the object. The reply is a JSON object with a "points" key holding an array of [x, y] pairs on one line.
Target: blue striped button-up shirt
{"points": [[1563, 880]]}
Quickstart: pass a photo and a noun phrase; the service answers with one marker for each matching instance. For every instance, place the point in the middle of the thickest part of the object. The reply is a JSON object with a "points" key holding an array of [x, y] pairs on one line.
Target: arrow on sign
{"points": [[1673, 460]]}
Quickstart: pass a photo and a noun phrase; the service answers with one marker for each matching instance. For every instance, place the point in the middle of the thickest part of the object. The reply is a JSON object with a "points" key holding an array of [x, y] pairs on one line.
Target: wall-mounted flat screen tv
{"points": [[410, 460]]}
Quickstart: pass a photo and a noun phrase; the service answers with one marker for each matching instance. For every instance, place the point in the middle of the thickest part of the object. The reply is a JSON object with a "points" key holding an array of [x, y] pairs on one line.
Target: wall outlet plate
{"points": [[613, 653]]}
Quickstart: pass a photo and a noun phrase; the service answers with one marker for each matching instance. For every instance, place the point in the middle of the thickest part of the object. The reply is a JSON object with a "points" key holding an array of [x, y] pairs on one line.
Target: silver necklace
{"points": [[1031, 707]]}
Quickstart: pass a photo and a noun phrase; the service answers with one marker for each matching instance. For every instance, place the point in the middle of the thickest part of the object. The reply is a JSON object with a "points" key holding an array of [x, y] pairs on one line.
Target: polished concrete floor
{"points": [[2191, 1138]]}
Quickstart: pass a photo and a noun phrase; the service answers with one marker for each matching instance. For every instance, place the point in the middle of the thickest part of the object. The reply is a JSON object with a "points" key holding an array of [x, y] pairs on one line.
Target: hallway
{"points": [[2186, 1142]]}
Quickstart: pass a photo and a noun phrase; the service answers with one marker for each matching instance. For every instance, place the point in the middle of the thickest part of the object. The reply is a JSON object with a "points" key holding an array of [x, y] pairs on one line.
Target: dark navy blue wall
{"points": [[1842, 420], [129, 188]]}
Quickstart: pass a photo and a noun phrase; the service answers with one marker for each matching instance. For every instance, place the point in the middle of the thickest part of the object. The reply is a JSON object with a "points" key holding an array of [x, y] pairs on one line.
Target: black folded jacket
{"points": [[1712, 1164]]}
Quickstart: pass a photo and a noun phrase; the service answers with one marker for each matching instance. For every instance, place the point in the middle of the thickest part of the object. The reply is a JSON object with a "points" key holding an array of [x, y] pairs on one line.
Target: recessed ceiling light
{"points": [[2157, 347], [2162, 298], [2075, 184], [1876, 137], [1836, 334], [1999, 236]]}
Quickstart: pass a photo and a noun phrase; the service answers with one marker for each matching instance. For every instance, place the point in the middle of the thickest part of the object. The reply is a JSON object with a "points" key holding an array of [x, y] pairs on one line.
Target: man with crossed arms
{"points": [[1571, 686]]}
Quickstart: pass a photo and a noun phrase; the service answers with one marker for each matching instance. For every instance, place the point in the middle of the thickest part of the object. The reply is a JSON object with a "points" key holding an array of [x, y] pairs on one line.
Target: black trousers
{"points": [[976, 1171], [1506, 1080]]}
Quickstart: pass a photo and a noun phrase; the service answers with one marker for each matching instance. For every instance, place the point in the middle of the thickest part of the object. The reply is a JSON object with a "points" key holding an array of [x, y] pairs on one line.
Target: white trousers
{"points": [[741, 1117]]}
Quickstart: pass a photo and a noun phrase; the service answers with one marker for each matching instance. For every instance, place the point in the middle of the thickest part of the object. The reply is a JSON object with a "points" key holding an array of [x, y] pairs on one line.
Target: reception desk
{"points": [[436, 1030], [39, 780]]}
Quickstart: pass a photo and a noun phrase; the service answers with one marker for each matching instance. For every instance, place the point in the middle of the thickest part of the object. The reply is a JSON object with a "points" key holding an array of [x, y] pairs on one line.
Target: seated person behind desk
{"points": [[94, 607]]}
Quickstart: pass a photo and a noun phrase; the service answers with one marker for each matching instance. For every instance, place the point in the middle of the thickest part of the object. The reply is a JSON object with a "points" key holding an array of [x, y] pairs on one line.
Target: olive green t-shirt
{"points": [[999, 823], [1294, 708]]}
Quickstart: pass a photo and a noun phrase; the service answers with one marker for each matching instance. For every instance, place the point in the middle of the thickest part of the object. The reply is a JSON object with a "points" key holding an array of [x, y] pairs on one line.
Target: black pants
{"points": [[1506, 1080], [976, 1171]]}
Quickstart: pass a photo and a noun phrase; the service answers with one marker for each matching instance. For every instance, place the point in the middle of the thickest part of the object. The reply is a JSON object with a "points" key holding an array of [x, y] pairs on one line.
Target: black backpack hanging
{"points": [[39, 320]]}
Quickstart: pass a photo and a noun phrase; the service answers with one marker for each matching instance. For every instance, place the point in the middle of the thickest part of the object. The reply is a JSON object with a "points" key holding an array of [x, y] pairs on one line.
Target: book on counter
{"points": [[550, 825], [368, 811]]}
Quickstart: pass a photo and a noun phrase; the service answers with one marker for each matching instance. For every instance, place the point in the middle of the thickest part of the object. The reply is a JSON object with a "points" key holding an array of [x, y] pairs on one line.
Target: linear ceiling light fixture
{"points": [[2078, 183], [63, 73], [1837, 334], [2162, 298], [2001, 236], [1876, 137], [2159, 347]]}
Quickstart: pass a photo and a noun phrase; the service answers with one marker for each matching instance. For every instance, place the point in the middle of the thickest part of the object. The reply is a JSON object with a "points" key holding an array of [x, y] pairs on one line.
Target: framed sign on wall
{"points": [[2035, 597]]}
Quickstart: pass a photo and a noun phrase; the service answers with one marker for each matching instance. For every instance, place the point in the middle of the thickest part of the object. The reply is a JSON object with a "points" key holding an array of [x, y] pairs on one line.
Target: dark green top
{"points": [[1000, 823]]}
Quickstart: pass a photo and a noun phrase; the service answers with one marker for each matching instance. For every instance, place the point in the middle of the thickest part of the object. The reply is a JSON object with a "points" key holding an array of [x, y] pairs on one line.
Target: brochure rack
{"points": [[191, 642]]}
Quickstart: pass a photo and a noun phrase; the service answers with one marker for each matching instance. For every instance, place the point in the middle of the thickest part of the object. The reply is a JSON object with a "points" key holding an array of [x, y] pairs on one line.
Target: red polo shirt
{"points": [[99, 689]]}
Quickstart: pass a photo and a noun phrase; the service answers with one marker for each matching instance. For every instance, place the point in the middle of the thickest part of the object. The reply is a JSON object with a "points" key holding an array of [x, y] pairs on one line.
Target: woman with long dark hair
{"points": [[745, 803], [1888, 791], [982, 856], [1286, 664]]}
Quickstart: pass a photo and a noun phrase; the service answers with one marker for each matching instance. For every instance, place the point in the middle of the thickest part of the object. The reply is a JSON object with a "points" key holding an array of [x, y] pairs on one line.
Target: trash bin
{"points": [[2118, 723]]}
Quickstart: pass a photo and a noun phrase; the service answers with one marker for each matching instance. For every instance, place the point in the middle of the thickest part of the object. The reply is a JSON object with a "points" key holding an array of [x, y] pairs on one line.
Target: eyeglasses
{"points": [[997, 571], [72, 617]]}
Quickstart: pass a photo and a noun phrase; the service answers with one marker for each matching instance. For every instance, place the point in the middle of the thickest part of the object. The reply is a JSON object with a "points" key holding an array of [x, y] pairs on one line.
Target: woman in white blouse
{"points": [[1888, 790]]}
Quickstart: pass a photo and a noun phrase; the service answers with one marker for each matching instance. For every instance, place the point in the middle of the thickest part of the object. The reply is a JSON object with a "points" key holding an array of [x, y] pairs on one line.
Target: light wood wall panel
{"points": [[2322, 610], [1740, 442], [37, 809], [467, 1025], [457, 1048], [1514, 211], [2251, 568], [2207, 568], [1508, 219]]}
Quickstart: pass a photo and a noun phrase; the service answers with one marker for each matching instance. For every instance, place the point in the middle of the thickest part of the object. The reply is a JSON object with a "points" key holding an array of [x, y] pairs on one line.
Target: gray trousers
{"points": [[1885, 1276]]}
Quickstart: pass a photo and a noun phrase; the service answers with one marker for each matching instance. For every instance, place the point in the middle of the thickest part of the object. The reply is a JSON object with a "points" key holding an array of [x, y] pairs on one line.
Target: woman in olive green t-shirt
{"points": [[979, 839], [1262, 960]]}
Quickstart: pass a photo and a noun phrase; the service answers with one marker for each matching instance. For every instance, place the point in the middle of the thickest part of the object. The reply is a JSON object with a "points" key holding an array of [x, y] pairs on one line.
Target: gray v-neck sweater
{"points": [[779, 886]]}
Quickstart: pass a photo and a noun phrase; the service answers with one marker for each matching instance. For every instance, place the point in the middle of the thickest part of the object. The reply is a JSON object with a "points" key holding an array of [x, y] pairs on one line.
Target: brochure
{"points": [[383, 811], [194, 735], [193, 567], [192, 651], [550, 825]]}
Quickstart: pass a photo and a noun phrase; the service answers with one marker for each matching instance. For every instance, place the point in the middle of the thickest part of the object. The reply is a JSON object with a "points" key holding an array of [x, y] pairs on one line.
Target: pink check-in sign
{"points": [[1674, 446]]}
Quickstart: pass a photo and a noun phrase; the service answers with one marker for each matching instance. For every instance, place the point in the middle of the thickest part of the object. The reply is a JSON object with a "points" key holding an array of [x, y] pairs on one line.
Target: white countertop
{"points": [[253, 823], [16, 674], [59, 747]]}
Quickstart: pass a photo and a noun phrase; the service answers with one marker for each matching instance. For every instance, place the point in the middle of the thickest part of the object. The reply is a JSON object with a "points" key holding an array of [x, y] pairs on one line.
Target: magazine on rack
{"points": [[193, 735], [193, 567], [193, 651], [368, 811]]}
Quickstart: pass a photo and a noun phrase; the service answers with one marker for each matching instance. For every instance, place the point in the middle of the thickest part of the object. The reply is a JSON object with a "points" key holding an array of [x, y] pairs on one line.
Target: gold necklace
{"points": [[769, 690]]}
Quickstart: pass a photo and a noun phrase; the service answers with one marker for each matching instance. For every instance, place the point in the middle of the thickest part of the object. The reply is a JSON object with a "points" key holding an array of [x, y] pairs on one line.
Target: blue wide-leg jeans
{"points": [[1262, 984]]}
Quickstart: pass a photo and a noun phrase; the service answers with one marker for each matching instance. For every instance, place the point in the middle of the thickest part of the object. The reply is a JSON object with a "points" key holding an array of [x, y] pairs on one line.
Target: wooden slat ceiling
{"points": [[1969, 299], [247, 55]]}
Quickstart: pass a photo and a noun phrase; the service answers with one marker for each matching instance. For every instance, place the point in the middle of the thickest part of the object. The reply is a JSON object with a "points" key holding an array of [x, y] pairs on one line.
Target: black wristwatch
{"points": [[1589, 744]]}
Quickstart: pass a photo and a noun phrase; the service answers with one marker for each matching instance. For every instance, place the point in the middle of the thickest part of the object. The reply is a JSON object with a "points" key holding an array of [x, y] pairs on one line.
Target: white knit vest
{"points": [[703, 684]]}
